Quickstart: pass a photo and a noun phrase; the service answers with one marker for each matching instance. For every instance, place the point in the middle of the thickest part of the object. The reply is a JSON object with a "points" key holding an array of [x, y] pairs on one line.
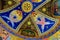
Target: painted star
{"points": [[43, 23]]}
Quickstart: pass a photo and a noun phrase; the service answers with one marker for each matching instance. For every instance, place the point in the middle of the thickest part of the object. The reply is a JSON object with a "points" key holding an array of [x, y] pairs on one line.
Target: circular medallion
{"points": [[27, 6], [16, 15]]}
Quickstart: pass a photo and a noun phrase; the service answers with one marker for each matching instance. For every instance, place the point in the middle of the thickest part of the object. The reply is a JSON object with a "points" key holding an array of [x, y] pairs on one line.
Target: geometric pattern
{"points": [[28, 18]]}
